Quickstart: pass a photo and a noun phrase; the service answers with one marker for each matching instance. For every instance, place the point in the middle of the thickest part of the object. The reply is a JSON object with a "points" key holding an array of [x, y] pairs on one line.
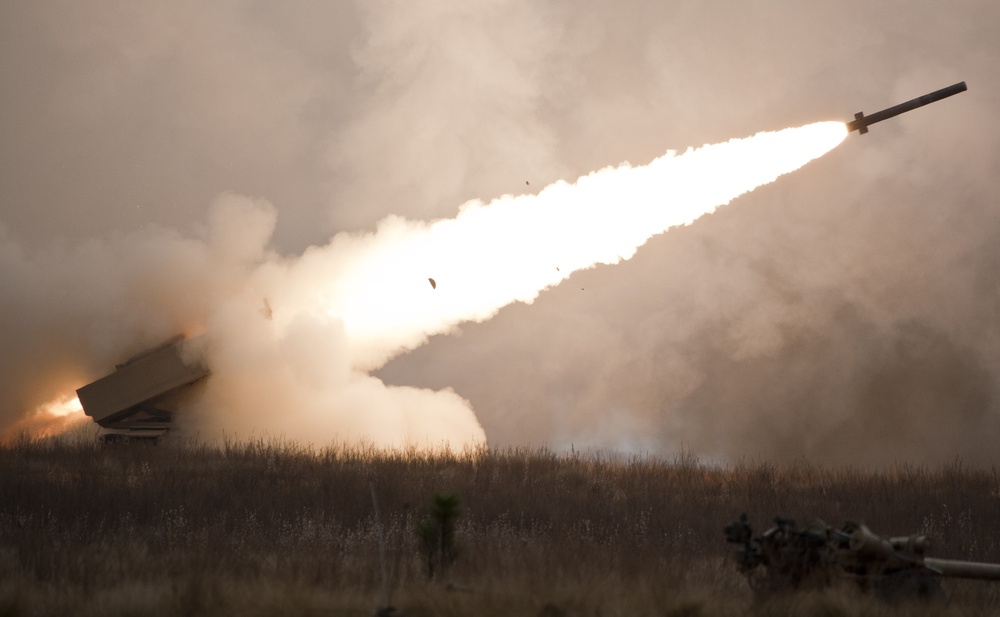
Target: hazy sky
{"points": [[848, 313]]}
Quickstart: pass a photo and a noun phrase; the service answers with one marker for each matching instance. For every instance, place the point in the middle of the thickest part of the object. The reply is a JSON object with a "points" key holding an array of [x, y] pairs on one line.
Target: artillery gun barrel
{"points": [[963, 569], [818, 556]]}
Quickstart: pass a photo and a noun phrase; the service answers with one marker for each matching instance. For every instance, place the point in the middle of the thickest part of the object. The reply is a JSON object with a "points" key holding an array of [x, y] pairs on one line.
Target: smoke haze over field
{"points": [[153, 158]]}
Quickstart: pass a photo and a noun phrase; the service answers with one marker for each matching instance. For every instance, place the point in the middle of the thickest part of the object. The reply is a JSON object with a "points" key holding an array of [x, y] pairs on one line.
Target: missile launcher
{"points": [[139, 399]]}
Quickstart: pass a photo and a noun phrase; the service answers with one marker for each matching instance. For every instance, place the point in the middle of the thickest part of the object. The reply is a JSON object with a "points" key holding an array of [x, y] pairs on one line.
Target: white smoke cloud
{"points": [[118, 127], [454, 98]]}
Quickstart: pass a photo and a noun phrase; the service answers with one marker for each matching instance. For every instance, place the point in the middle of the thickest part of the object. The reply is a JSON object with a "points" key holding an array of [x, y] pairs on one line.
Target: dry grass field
{"points": [[269, 528]]}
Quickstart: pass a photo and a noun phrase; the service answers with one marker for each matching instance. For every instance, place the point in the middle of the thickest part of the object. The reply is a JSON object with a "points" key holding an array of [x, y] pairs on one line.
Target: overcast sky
{"points": [[848, 313]]}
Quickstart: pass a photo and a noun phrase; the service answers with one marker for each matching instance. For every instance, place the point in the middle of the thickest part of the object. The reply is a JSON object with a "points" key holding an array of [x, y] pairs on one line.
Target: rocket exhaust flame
{"points": [[291, 341], [491, 255]]}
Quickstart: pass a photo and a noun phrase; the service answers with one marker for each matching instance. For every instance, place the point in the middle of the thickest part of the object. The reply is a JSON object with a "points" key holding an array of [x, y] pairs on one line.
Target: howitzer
{"points": [[786, 558]]}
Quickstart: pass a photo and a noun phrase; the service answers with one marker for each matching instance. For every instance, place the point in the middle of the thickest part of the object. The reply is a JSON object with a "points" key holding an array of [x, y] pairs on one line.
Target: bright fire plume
{"points": [[514, 247]]}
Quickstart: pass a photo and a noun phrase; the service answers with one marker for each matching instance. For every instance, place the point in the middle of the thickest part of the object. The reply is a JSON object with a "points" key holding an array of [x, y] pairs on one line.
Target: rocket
{"points": [[861, 122]]}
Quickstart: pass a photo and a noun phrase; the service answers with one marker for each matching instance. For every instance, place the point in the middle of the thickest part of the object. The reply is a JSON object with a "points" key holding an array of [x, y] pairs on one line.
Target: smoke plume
{"points": [[846, 314]]}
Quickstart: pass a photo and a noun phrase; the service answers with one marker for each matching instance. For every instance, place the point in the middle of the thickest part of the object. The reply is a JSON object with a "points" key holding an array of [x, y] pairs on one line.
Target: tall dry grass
{"points": [[271, 528]]}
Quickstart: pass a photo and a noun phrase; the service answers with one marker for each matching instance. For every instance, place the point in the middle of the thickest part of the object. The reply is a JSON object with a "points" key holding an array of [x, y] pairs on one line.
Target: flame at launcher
{"points": [[48, 420]]}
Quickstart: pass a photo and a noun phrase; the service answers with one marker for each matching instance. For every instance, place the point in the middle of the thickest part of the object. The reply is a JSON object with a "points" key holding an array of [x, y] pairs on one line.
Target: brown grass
{"points": [[269, 528]]}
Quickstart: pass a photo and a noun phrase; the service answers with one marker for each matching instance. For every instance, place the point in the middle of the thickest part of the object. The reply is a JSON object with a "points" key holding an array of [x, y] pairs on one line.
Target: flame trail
{"points": [[308, 331], [513, 248]]}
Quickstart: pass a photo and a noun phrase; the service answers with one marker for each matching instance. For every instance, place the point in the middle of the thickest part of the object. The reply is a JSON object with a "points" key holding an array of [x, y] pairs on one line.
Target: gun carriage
{"points": [[787, 558]]}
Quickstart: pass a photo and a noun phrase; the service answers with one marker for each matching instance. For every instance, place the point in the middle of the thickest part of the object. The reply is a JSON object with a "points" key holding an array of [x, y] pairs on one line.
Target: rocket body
{"points": [[861, 122]]}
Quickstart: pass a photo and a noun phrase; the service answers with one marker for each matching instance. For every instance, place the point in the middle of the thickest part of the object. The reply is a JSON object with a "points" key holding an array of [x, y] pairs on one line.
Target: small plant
{"points": [[436, 533]]}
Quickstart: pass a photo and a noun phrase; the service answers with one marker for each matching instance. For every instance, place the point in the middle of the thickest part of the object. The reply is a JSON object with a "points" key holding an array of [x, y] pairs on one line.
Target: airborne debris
{"points": [[433, 283]]}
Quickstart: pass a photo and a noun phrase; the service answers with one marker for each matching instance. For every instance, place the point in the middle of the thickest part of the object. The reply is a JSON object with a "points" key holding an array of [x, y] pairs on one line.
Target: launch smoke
{"points": [[292, 341]]}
